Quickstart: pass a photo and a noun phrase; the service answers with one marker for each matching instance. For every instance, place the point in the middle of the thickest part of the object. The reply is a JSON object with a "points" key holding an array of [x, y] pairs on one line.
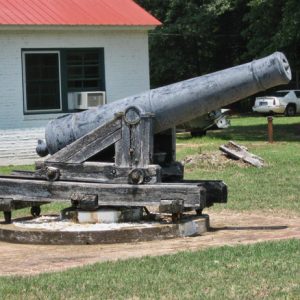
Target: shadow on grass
{"points": [[282, 133]]}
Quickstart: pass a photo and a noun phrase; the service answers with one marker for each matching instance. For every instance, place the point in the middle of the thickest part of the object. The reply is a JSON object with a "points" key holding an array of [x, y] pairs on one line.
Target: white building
{"points": [[51, 49]]}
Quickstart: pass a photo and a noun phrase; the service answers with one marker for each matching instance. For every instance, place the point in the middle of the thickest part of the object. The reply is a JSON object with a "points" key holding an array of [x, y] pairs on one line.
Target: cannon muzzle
{"points": [[176, 103]]}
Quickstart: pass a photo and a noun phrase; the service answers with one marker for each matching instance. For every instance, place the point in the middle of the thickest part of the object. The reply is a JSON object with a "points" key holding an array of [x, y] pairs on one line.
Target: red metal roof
{"points": [[74, 12]]}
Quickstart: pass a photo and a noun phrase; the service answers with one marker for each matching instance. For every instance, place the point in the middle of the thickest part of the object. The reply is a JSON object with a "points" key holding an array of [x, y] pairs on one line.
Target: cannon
{"points": [[123, 154]]}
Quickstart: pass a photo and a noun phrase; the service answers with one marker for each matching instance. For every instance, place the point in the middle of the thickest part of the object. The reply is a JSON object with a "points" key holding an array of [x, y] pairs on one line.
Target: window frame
{"points": [[25, 102], [63, 80]]}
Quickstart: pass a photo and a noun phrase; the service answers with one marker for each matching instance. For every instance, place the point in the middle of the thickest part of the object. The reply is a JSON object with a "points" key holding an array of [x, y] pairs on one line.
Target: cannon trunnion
{"points": [[123, 154]]}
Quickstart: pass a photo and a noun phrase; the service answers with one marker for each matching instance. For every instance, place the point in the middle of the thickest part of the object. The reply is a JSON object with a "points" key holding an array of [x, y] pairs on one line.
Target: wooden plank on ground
{"points": [[239, 152]]}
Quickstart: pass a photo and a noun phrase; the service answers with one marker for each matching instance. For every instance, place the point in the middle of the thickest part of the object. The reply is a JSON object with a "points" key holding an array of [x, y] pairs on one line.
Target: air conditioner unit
{"points": [[86, 100]]}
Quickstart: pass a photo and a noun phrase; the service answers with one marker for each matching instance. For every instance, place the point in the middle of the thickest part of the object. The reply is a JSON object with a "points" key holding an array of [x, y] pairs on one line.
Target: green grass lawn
{"points": [[260, 271], [274, 187], [6, 170]]}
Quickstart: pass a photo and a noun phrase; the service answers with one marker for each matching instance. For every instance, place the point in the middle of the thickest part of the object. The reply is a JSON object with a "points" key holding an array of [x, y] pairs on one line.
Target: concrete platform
{"points": [[33, 231]]}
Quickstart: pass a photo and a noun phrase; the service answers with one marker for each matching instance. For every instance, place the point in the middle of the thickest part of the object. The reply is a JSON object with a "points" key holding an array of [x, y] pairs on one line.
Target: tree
{"points": [[273, 25], [202, 36], [288, 35], [261, 22], [193, 39]]}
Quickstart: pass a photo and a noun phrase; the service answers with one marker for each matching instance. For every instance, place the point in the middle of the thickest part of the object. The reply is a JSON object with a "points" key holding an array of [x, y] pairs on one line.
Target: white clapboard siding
{"points": [[17, 146]]}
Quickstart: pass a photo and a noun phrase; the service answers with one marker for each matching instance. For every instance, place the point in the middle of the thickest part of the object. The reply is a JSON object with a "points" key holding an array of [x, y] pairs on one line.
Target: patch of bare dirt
{"points": [[227, 228], [212, 160]]}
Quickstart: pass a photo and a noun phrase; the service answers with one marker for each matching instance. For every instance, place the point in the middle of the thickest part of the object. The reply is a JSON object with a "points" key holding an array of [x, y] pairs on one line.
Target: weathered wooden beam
{"points": [[90, 144], [216, 190], [93, 172], [135, 149], [33, 190]]}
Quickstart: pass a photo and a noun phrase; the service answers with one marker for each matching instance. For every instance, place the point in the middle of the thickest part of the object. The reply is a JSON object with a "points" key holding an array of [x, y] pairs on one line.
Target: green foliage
{"points": [[266, 270], [273, 25], [202, 36], [262, 21], [196, 38], [288, 35]]}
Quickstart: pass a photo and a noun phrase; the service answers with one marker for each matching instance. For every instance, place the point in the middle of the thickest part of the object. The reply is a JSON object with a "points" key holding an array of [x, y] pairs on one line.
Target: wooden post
{"points": [[270, 129], [135, 148]]}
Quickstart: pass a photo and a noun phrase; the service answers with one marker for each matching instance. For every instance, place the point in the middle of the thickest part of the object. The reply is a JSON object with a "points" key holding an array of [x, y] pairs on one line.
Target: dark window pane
{"points": [[83, 70], [50, 72], [91, 72], [75, 72], [43, 95], [74, 58], [90, 84], [297, 94], [279, 94], [76, 84], [42, 81], [91, 58]]}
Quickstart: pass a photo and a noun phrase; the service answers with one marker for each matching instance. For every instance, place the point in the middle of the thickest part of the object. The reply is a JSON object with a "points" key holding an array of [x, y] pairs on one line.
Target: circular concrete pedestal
{"points": [[46, 231]]}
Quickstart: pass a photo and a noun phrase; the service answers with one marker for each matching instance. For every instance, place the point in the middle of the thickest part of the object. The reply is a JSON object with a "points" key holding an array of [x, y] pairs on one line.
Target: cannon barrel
{"points": [[179, 102]]}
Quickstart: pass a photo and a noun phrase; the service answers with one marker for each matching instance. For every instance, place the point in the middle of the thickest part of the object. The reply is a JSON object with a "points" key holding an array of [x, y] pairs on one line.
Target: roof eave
{"points": [[77, 27]]}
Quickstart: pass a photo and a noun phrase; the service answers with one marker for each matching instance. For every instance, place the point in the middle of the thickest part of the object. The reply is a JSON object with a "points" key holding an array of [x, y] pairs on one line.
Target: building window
{"points": [[42, 90], [84, 70], [49, 76]]}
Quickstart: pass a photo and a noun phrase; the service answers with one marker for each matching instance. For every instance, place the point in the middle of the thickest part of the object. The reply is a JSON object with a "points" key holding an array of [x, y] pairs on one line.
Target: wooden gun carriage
{"points": [[123, 153]]}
